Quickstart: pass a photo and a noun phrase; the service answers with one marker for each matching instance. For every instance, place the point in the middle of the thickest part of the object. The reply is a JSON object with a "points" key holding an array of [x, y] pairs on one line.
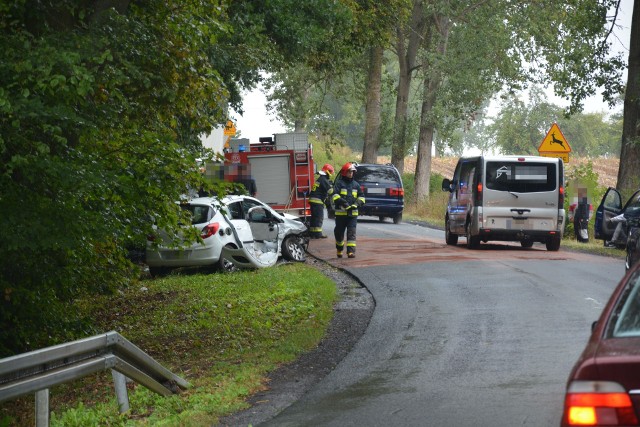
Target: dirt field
{"points": [[606, 168]]}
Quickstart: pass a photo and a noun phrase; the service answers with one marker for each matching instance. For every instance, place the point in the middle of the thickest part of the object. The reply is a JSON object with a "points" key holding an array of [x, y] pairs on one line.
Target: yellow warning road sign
{"points": [[554, 142], [230, 128]]}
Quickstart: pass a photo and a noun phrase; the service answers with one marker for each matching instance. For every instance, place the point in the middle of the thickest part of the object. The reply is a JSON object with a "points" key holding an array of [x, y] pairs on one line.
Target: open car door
{"points": [[610, 206], [256, 238]]}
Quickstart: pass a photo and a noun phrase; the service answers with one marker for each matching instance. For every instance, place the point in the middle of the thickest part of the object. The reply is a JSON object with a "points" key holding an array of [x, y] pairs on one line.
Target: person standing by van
{"points": [[347, 198], [322, 188], [581, 217]]}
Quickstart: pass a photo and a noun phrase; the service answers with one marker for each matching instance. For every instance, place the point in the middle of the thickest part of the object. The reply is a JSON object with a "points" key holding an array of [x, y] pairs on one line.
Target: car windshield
{"points": [[199, 213], [625, 319], [521, 177], [377, 174]]}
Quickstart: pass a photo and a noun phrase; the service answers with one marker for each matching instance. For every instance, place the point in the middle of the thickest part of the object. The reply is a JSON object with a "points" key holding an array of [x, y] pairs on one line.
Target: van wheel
{"points": [[553, 244], [451, 238], [397, 219], [526, 243], [472, 241]]}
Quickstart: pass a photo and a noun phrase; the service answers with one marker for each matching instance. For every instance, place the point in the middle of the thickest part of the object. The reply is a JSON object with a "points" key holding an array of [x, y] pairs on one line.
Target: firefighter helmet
{"points": [[346, 168], [328, 169]]}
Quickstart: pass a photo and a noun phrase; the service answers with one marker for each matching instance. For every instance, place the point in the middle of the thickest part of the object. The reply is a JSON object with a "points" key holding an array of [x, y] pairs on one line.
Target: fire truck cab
{"points": [[282, 167]]}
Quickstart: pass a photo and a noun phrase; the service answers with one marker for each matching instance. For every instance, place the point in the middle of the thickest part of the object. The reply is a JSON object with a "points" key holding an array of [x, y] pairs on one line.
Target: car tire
{"points": [[449, 237], [553, 244], [381, 218], [224, 265], [293, 249], [472, 241], [397, 219], [526, 243]]}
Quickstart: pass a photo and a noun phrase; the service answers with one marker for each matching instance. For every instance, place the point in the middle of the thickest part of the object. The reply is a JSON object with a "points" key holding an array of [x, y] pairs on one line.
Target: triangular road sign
{"points": [[554, 142]]}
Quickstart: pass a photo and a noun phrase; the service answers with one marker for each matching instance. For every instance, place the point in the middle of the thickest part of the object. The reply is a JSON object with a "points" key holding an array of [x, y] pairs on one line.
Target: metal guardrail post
{"points": [[42, 408], [120, 384]]}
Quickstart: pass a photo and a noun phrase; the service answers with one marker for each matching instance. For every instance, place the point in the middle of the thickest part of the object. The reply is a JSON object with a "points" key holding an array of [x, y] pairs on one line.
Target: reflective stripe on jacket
{"points": [[351, 193]]}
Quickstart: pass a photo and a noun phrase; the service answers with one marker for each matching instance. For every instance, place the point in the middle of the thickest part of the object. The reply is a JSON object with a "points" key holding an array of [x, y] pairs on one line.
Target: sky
{"points": [[256, 122]]}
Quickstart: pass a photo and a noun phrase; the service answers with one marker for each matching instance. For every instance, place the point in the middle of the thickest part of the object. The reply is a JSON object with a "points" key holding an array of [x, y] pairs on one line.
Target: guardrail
{"points": [[37, 371]]}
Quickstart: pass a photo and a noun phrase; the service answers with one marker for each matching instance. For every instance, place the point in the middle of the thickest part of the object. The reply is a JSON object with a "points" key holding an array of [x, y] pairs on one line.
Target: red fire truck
{"points": [[282, 166]]}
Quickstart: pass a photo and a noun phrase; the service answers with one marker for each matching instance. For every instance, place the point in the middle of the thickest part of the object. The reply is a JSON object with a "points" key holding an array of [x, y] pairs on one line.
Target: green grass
{"points": [[222, 333]]}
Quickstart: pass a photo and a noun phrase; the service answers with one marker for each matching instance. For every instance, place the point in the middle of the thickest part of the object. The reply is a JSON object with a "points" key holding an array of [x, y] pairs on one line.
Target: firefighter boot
{"points": [[339, 248]]}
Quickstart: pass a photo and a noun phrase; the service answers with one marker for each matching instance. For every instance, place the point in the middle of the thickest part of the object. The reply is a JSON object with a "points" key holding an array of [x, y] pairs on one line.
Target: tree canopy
{"points": [[101, 107]]}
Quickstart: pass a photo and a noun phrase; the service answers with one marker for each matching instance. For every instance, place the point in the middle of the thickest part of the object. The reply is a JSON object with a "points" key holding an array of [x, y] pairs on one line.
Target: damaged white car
{"points": [[237, 232]]}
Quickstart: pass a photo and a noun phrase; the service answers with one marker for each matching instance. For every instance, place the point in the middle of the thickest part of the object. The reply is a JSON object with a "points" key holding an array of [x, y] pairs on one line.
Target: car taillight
{"points": [[397, 192], [591, 403], [561, 197], [209, 230], [151, 237]]}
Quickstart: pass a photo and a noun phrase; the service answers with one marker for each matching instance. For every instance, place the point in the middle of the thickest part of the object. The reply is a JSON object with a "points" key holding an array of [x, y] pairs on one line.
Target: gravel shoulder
{"points": [[290, 382]]}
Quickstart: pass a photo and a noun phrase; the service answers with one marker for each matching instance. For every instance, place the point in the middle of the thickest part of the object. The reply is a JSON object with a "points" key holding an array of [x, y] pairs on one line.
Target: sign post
{"points": [[555, 144]]}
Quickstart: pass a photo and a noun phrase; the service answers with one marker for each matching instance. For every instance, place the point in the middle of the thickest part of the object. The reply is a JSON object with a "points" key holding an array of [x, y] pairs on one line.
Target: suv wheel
{"points": [[381, 218], [451, 238], [397, 219]]}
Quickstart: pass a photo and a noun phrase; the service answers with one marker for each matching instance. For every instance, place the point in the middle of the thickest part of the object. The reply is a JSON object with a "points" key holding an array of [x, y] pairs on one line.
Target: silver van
{"points": [[508, 198]]}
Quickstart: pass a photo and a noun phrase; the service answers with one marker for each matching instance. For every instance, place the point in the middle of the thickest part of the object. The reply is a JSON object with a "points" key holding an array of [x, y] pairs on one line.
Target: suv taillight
{"points": [[590, 403], [209, 230], [397, 192]]}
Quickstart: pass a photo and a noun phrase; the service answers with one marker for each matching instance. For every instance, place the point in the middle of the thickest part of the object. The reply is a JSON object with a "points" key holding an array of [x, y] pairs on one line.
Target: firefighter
{"points": [[322, 188], [347, 198]]}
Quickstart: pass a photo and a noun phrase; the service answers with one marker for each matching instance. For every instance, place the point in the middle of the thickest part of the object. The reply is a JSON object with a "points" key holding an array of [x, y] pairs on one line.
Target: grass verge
{"points": [[222, 333]]}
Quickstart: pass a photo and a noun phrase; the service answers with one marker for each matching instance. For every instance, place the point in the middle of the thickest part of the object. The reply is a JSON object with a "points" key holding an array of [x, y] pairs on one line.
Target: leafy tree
{"points": [[101, 106]]}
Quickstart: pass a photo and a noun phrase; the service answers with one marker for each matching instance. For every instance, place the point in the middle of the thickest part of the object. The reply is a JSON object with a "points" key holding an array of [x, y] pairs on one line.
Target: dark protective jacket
{"points": [[322, 188], [347, 197]]}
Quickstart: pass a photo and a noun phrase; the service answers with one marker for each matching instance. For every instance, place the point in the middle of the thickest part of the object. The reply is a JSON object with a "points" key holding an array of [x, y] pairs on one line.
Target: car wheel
{"points": [[397, 219], [451, 238], [293, 249], [225, 265], [381, 218], [526, 243], [159, 271], [472, 241], [553, 244]]}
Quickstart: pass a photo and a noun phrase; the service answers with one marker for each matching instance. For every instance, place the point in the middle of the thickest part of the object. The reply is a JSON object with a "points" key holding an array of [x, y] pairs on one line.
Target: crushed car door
{"points": [[254, 250]]}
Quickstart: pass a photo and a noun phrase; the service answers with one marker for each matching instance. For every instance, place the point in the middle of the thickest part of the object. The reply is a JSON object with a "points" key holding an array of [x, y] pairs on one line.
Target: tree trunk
{"points": [[372, 123], [432, 82], [407, 61], [628, 178], [425, 143]]}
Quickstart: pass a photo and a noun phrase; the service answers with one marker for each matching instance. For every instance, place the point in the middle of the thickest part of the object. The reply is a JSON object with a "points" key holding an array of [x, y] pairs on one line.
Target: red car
{"points": [[603, 388]]}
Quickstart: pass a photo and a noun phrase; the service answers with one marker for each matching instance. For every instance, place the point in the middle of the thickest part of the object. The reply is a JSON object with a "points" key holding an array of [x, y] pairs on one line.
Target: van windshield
{"points": [[521, 177]]}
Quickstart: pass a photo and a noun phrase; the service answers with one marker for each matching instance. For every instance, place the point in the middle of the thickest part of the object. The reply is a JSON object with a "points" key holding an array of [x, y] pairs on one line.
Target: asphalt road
{"points": [[458, 337]]}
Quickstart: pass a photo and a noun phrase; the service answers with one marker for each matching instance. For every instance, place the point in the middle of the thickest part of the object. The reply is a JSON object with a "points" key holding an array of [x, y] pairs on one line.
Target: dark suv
{"points": [[383, 191]]}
